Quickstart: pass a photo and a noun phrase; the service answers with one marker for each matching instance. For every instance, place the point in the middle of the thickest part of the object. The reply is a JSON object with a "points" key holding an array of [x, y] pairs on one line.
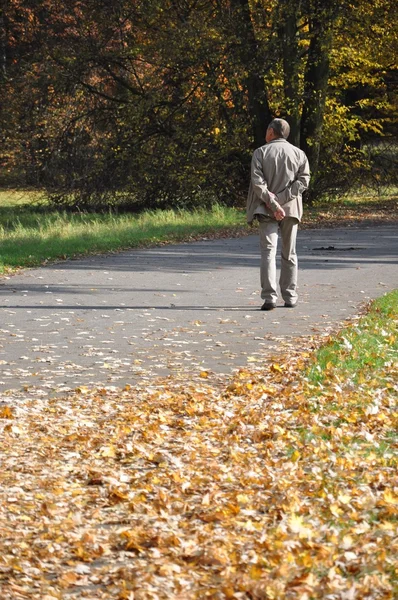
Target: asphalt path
{"points": [[188, 308]]}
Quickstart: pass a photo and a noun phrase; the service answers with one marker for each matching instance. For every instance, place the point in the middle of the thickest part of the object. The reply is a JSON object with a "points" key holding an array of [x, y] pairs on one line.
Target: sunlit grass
{"points": [[363, 352], [30, 235], [32, 232], [21, 198]]}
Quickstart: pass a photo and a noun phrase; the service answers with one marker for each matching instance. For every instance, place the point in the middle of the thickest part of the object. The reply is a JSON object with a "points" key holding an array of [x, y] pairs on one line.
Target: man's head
{"points": [[278, 128]]}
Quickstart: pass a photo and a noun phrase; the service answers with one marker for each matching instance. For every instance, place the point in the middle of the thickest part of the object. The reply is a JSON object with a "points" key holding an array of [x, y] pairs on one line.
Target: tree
{"points": [[248, 55], [322, 17], [289, 17], [126, 103], [359, 133]]}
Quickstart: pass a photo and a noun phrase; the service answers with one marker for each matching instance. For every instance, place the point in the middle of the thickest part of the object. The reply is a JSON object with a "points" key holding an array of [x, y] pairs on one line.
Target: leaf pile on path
{"points": [[267, 487]]}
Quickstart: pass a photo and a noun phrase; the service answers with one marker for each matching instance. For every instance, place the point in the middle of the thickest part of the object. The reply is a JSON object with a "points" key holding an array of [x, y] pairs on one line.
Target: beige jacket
{"points": [[279, 174]]}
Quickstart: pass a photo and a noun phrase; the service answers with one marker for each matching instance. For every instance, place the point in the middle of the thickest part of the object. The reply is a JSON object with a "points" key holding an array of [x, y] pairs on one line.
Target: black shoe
{"points": [[290, 304], [268, 306]]}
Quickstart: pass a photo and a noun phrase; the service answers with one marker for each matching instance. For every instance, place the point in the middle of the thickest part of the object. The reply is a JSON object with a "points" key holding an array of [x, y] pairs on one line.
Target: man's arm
{"points": [[260, 187], [303, 176], [297, 186]]}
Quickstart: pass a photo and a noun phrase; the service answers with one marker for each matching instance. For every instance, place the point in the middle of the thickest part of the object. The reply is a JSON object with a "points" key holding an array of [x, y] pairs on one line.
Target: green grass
{"points": [[362, 352], [32, 233]]}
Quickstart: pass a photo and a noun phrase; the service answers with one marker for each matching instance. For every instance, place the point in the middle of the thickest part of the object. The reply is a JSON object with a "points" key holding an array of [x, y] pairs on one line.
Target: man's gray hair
{"points": [[280, 127]]}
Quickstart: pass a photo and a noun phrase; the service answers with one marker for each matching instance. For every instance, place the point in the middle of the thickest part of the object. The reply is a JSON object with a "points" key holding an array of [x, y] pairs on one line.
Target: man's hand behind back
{"points": [[279, 213]]}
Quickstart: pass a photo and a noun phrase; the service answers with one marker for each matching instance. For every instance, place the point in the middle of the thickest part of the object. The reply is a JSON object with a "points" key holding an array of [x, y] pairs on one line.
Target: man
{"points": [[279, 175]]}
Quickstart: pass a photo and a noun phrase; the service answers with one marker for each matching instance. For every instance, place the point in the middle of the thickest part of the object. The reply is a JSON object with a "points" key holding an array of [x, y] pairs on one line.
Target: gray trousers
{"points": [[268, 242]]}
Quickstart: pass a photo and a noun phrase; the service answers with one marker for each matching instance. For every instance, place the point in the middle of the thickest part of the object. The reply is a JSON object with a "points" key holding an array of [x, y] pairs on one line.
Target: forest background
{"points": [[130, 104]]}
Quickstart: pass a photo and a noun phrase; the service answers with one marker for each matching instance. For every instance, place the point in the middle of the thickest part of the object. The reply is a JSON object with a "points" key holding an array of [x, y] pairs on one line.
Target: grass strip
{"points": [[362, 352], [32, 232], [30, 239]]}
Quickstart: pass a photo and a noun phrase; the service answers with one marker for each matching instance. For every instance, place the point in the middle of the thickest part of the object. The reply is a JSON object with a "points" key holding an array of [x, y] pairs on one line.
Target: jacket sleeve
{"points": [[302, 180], [259, 184]]}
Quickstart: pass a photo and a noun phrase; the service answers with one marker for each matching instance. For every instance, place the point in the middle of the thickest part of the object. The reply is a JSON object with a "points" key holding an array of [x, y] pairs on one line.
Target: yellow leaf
{"points": [[249, 525], [82, 389], [295, 456], [268, 390], [234, 387], [255, 572], [242, 499], [204, 374], [276, 368], [6, 413], [229, 593], [108, 451], [306, 560], [335, 510], [297, 525], [117, 494], [389, 497], [344, 498]]}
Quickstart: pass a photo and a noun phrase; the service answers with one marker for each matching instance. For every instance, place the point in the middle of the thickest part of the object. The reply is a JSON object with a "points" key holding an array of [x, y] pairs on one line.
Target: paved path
{"points": [[112, 320]]}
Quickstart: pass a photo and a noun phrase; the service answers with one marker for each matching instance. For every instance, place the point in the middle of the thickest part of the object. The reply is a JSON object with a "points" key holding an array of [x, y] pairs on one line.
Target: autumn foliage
{"points": [[154, 104]]}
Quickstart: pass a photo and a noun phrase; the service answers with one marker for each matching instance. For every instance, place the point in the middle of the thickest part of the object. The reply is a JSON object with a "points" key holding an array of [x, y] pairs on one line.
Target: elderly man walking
{"points": [[279, 175]]}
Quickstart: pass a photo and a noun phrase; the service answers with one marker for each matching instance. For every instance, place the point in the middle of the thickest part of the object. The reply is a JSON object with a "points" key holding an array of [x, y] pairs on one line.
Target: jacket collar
{"points": [[277, 140]]}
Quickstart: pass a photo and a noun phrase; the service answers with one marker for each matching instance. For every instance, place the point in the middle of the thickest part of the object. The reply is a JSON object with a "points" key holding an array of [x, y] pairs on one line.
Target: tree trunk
{"points": [[3, 40], [316, 77], [259, 110], [289, 40]]}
